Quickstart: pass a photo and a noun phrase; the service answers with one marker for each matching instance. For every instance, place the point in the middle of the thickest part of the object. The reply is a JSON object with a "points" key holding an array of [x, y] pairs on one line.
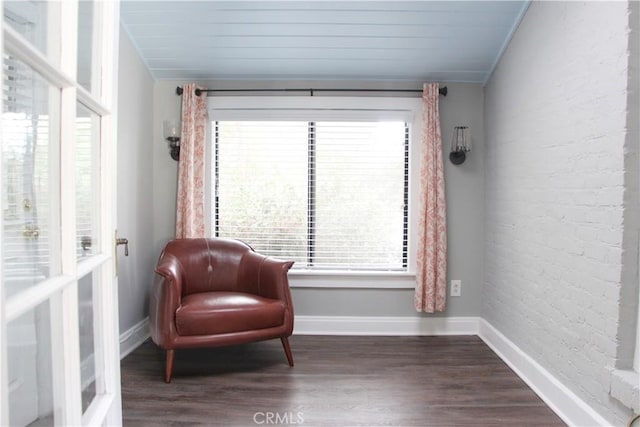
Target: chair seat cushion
{"points": [[211, 313]]}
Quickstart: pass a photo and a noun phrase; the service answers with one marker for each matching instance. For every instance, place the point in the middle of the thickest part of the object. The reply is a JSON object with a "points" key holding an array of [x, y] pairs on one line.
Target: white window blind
{"points": [[25, 149], [326, 194], [85, 244]]}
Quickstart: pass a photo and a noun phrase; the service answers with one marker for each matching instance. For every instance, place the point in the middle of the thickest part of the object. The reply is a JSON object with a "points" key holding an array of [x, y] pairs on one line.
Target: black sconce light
{"points": [[460, 145], [172, 134]]}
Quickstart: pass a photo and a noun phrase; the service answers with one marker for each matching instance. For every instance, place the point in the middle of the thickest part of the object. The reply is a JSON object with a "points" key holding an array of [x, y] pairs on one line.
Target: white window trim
{"points": [[624, 384], [332, 108], [636, 356], [636, 353]]}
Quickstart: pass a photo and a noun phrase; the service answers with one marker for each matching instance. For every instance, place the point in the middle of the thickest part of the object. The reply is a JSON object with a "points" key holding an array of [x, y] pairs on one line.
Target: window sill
{"points": [[351, 279], [625, 387]]}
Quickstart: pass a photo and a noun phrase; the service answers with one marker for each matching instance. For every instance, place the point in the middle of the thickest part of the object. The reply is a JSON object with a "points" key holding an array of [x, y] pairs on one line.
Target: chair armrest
{"points": [[265, 276], [274, 282], [165, 300]]}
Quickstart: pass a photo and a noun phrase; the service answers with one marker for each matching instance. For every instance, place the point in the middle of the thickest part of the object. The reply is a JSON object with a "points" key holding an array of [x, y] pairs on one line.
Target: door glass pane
{"points": [[30, 19], [30, 135], [87, 173], [86, 70], [87, 353], [30, 368]]}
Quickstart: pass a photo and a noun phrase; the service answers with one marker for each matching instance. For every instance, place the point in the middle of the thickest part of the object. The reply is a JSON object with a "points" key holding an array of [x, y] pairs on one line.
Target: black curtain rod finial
{"points": [[443, 91], [180, 91]]}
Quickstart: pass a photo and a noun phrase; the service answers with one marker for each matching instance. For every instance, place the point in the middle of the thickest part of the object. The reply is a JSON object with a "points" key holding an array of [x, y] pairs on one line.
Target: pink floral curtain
{"points": [[191, 170], [431, 274]]}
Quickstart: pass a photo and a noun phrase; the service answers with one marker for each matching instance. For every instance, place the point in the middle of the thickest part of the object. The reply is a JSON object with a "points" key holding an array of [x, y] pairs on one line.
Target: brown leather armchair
{"points": [[218, 292]]}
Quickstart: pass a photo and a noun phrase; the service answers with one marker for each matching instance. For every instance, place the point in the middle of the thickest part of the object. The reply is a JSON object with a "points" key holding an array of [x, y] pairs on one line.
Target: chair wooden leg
{"points": [[168, 370], [287, 350]]}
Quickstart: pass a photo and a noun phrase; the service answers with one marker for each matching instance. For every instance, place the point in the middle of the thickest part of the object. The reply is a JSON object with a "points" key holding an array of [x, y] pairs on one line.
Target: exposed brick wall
{"points": [[556, 112]]}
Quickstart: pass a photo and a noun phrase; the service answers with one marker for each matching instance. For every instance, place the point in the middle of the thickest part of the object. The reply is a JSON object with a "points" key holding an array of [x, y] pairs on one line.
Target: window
{"points": [[328, 193], [26, 148]]}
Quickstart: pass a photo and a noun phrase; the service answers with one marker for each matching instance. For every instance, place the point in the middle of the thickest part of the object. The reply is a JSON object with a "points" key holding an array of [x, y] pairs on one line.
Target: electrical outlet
{"points": [[456, 288]]}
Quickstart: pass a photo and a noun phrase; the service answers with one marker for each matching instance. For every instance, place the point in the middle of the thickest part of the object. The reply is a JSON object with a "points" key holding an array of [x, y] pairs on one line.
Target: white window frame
{"points": [[636, 353], [636, 356], [328, 108]]}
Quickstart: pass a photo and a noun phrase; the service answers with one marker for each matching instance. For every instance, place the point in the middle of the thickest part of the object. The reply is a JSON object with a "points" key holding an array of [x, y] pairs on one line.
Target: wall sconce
{"points": [[171, 133], [460, 145]]}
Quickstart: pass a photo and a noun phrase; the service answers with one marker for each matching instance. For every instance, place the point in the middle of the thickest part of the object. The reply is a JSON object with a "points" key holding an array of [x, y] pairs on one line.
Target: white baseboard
{"points": [[566, 404], [354, 325], [129, 341], [133, 337]]}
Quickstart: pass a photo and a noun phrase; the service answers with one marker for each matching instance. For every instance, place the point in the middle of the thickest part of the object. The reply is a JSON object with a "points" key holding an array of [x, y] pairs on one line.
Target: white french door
{"points": [[59, 354]]}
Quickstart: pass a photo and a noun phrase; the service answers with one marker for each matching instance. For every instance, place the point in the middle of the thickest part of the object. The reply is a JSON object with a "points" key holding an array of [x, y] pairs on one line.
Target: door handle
{"points": [[31, 231], [120, 241], [125, 242], [85, 243]]}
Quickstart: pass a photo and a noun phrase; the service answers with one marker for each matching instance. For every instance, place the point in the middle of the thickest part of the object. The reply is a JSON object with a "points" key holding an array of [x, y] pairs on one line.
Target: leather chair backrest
{"points": [[208, 264]]}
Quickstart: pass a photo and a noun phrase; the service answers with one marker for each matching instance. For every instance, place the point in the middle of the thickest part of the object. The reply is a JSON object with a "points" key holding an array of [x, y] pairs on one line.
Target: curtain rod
{"points": [[443, 90]]}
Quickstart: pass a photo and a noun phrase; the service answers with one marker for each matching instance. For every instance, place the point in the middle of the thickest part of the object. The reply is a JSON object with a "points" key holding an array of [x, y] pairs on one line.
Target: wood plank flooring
{"points": [[337, 381]]}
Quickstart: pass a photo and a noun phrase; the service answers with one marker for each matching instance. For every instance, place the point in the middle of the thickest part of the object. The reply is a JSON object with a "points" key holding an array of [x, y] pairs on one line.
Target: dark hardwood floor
{"points": [[337, 381]]}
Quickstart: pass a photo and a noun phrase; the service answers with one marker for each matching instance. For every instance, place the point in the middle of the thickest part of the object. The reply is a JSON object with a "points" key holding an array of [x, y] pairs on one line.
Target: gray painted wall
{"points": [[465, 193], [135, 186], [561, 196]]}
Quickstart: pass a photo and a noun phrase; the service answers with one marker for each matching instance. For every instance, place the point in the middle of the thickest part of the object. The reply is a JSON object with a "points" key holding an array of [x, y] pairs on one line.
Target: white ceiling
{"points": [[446, 41]]}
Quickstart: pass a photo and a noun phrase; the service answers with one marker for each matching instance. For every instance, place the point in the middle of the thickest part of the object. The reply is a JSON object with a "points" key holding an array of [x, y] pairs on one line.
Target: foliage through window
{"points": [[329, 195]]}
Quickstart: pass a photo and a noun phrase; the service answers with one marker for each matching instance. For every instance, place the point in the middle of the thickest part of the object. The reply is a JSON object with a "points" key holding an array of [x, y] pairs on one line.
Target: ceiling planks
{"points": [[322, 40]]}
